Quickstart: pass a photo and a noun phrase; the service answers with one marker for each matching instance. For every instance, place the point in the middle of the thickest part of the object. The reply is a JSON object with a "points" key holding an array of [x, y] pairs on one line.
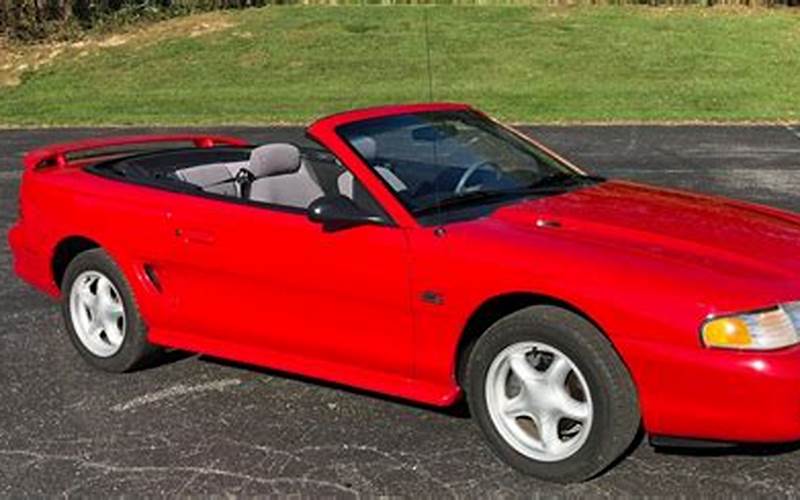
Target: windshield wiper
{"points": [[565, 179], [554, 183], [460, 199], [473, 197]]}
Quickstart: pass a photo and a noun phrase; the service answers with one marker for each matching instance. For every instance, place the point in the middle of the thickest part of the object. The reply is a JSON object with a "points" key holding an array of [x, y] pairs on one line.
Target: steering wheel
{"points": [[461, 186]]}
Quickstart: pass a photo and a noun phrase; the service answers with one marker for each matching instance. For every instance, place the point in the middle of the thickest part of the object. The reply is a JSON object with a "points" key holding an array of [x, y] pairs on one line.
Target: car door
{"points": [[264, 279]]}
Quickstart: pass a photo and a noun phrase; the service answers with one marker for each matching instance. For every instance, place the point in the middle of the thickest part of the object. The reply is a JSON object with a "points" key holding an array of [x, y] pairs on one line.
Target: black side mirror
{"points": [[339, 212]]}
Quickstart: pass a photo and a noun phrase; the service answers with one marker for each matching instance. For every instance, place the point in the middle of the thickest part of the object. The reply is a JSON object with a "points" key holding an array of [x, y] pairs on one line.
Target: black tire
{"points": [[135, 351], [616, 417]]}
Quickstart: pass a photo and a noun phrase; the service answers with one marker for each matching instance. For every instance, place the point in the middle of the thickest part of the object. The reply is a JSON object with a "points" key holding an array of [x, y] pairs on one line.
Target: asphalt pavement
{"points": [[196, 425]]}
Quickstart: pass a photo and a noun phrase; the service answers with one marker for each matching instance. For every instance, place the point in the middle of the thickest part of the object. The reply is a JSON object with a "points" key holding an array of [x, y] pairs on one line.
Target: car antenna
{"points": [[428, 56], [439, 231]]}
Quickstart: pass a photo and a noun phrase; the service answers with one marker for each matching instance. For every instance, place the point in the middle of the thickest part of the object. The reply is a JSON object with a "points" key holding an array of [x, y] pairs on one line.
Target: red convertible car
{"points": [[429, 253]]}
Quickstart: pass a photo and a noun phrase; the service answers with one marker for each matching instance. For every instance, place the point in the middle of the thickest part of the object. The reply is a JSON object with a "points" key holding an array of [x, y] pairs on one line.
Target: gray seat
{"points": [[366, 147], [212, 178], [346, 181], [281, 177]]}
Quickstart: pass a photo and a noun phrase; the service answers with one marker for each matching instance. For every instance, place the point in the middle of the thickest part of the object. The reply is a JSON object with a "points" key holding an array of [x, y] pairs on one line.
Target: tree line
{"points": [[38, 19]]}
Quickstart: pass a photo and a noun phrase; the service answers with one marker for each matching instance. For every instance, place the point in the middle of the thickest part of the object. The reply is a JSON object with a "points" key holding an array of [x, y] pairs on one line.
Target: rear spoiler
{"points": [[56, 154]]}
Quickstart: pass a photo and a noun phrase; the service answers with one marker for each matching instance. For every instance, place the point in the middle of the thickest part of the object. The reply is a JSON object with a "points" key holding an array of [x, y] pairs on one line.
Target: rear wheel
{"points": [[551, 395], [101, 315]]}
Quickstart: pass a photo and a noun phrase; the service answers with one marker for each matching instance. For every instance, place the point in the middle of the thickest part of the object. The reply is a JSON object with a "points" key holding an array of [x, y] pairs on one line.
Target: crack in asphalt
{"points": [[82, 462], [175, 391]]}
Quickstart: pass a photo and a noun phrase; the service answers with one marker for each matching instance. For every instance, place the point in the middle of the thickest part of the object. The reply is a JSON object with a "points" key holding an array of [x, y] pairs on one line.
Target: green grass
{"points": [[525, 64]]}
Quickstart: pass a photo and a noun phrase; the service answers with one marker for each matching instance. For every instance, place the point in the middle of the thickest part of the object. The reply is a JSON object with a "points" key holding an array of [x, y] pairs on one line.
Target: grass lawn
{"points": [[524, 64]]}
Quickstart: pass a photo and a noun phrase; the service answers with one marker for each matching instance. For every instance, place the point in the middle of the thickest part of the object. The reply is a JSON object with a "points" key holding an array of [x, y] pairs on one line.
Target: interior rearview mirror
{"points": [[432, 133]]}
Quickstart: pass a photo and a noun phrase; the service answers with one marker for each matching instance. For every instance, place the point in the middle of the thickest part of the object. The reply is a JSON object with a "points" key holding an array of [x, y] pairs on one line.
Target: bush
{"points": [[37, 19]]}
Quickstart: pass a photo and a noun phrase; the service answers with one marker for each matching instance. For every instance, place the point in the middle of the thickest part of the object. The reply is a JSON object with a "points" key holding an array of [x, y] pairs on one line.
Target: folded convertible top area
{"points": [[58, 155]]}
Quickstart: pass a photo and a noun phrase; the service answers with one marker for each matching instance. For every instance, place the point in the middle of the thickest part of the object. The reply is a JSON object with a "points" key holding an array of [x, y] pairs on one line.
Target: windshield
{"points": [[444, 161]]}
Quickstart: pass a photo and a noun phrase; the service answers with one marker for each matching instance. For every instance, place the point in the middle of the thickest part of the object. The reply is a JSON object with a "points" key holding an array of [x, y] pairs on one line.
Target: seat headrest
{"points": [[365, 146], [274, 159]]}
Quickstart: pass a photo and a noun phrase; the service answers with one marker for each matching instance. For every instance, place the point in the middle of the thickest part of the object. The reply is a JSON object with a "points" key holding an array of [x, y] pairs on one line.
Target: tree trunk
{"points": [[81, 9], [5, 18]]}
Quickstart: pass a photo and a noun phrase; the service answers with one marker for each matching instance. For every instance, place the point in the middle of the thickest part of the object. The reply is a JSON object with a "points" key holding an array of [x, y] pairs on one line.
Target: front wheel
{"points": [[551, 395]]}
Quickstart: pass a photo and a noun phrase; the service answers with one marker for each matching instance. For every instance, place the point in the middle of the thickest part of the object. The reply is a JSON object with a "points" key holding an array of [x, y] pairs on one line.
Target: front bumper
{"points": [[716, 394]]}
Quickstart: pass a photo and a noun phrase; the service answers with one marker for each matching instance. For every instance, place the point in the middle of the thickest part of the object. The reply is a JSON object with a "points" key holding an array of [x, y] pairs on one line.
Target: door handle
{"points": [[195, 236]]}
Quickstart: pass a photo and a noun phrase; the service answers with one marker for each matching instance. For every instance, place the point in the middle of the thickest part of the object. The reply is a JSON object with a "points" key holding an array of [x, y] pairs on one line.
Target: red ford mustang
{"points": [[427, 252]]}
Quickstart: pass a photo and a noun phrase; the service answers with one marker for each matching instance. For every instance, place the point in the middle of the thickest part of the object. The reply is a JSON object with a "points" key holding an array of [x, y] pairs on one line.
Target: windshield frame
{"points": [[470, 211]]}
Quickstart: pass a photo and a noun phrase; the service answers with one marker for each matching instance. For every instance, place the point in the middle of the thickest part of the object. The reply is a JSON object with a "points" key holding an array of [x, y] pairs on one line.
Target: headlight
{"points": [[762, 330]]}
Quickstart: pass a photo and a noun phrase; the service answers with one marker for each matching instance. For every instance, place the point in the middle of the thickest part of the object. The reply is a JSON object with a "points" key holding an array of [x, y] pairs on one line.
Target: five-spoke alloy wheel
{"points": [[97, 313], [539, 401], [550, 394], [101, 315]]}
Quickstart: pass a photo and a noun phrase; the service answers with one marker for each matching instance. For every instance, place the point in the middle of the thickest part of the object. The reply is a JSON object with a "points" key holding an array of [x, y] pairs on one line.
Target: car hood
{"points": [[707, 231]]}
